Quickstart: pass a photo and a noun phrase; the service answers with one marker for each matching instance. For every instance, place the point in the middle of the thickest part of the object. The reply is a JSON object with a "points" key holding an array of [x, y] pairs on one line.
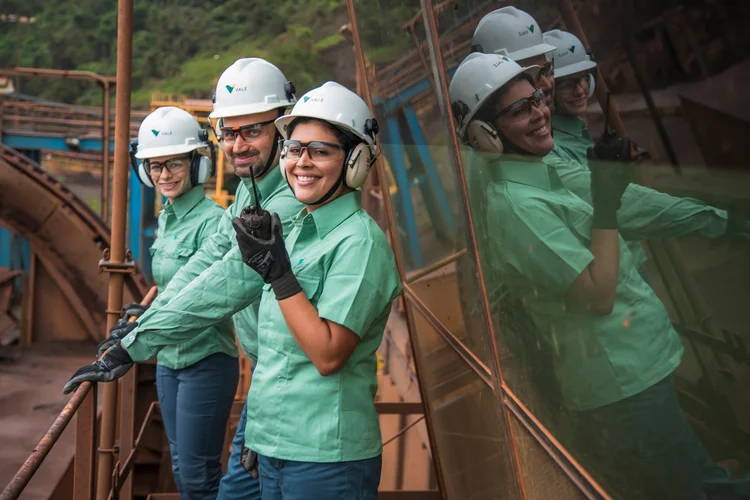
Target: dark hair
{"points": [[489, 110], [345, 138]]}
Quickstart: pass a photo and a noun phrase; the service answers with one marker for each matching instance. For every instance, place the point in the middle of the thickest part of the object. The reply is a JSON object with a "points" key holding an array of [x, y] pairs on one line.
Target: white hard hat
{"points": [[510, 32], [570, 55], [251, 85], [337, 105], [476, 79], [169, 131]]}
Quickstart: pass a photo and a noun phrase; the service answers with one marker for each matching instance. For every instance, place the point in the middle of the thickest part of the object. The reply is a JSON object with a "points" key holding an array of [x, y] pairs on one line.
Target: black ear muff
{"points": [[460, 111], [476, 48], [357, 165], [483, 137], [290, 90], [139, 170]]}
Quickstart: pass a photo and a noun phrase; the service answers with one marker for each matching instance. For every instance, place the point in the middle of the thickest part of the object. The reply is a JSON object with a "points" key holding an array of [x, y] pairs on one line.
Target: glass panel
{"points": [[629, 346], [542, 478], [420, 176], [471, 439]]}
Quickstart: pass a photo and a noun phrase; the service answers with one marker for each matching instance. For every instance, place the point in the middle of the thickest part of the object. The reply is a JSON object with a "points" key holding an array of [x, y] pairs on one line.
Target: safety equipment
{"points": [[570, 56], [339, 106], [133, 309], [251, 85], [171, 131], [118, 332], [268, 258], [510, 32], [477, 78], [114, 364]]}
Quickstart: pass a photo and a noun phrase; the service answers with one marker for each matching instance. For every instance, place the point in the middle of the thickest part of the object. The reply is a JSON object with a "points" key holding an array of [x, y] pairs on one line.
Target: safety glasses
{"points": [[547, 71], [522, 108], [570, 84], [316, 150], [174, 165], [249, 133]]}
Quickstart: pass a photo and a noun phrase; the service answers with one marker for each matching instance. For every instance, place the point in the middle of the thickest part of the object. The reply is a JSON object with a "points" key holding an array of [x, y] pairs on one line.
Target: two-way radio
{"points": [[256, 220]]}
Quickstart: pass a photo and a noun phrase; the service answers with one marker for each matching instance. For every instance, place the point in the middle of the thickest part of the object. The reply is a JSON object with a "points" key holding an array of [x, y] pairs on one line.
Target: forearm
{"points": [[222, 290], [650, 214]]}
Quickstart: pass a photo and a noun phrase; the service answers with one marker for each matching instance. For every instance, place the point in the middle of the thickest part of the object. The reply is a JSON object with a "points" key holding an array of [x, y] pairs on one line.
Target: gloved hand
{"points": [[611, 147], [118, 332], [268, 257], [249, 461], [609, 179], [114, 364], [133, 309]]}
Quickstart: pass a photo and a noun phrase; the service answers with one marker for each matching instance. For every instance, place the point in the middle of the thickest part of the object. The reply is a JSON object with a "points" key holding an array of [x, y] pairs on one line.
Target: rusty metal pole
{"points": [[117, 251], [105, 152]]}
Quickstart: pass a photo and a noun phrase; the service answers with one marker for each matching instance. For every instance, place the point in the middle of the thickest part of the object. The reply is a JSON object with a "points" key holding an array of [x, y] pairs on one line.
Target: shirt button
{"points": [[131, 338]]}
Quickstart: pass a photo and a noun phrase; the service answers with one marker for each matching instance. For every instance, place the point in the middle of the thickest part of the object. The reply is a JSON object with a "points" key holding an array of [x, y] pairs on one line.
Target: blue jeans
{"points": [[195, 404], [237, 483], [290, 480], [643, 447]]}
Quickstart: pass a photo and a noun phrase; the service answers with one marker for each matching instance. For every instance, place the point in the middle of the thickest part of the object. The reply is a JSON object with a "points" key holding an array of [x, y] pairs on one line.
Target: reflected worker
{"points": [[614, 347]]}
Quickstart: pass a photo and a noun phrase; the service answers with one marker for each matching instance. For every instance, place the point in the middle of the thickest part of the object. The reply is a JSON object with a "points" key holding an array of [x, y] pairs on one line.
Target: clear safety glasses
{"points": [[522, 108], [316, 150], [249, 133], [174, 165]]}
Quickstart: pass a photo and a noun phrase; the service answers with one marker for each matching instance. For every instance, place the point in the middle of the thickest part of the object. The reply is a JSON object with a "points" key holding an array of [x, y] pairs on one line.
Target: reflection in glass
{"points": [[467, 425], [584, 339]]}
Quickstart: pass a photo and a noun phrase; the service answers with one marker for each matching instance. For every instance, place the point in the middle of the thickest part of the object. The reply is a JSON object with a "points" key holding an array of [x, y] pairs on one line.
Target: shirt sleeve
{"points": [[360, 285], [219, 292], [527, 237], [647, 213]]}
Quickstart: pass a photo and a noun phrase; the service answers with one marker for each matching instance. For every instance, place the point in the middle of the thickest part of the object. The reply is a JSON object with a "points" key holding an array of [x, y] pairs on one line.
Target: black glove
{"points": [[118, 332], [608, 183], [114, 364], [249, 461], [133, 309], [268, 257], [612, 147]]}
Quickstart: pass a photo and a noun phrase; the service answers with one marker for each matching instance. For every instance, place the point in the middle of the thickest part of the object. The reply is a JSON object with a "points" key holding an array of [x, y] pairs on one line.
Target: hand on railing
{"points": [[114, 361]]}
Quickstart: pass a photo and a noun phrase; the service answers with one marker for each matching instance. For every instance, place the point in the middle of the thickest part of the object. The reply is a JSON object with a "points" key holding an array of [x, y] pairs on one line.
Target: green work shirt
{"points": [[645, 213], [540, 245], [347, 270], [215, 284], [184, 225]]}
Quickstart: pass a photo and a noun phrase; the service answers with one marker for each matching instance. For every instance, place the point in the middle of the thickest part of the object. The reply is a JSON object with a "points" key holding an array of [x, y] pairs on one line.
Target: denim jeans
{"points": [[237, 483], [291, 480], [195, 404], [643, 447]]}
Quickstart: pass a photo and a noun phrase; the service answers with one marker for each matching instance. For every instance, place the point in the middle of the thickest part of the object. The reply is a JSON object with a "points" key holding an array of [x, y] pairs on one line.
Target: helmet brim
{"points": [[529, 52], [574, 68], [169, 150], [283, 122], [248, 109]]}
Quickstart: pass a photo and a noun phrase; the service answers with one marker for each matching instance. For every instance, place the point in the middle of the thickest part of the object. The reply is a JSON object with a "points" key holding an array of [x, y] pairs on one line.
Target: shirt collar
{"points": [[531, 173], [184, 203], [267, 185], [330, 215], [571, 125]]}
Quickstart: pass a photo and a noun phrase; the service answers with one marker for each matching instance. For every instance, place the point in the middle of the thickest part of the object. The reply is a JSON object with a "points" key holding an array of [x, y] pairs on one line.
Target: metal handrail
{"points": [[31, 465]]}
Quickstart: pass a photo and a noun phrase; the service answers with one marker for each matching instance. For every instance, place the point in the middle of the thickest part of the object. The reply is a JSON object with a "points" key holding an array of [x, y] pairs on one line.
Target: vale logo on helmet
{"points": [[571, 50], [156, 132], [235, 88], [502, 59], [529, 29], [312, 99]]}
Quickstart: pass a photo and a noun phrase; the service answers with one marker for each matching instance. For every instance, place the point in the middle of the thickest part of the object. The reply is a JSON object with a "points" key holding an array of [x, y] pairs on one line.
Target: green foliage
{"points": [[179, 46]]}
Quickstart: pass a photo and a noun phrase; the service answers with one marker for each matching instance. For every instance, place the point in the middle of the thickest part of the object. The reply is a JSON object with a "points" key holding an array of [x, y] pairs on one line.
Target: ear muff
{"points": [[592, 84], [484, 137], [203, 168], [139, 169], [357, 165], [289, 90]]}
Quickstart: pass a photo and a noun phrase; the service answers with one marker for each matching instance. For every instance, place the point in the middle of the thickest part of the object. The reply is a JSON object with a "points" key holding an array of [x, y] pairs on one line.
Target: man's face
{"points": [[545, 80], [248, 141]]}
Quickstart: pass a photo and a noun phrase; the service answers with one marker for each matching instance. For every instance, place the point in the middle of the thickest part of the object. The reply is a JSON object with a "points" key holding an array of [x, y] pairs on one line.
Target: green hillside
{"points": [[183, 45]]}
